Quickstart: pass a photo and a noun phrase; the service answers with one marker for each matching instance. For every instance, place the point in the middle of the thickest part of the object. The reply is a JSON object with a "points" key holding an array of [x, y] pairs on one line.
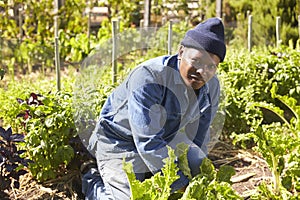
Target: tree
{"points": [[264, 14]]}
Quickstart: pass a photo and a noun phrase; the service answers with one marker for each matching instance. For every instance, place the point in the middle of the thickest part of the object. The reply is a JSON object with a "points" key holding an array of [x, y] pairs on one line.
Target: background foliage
{"points": [[247, 77], [264, 21], [32, 44]]}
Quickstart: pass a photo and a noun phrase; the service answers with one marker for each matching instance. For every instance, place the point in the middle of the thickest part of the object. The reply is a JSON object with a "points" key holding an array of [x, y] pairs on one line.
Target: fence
{"points": [[45, 54]]}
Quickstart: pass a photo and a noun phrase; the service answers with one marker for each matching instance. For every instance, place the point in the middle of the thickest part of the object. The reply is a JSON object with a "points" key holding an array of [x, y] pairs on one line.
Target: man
{"points": [[164, 101]]}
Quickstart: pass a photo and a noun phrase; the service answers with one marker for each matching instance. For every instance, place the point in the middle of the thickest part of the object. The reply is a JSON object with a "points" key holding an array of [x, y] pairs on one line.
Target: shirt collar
{"points": [[173, 62]]}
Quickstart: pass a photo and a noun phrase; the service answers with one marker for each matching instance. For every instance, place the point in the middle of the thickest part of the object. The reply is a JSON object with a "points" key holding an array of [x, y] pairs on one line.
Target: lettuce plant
{"points": [[209, 184], [279, 145], [158, 186]]}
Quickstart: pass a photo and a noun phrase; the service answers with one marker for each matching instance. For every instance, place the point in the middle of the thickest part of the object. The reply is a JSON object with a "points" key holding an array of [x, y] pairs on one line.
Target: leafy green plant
{"points": [[36, 53], [279, 143], [274, 142], [80, 46], [12, 90], [49, 127], [248, 77], [11, 160], [158, 186], [8, 26], [209, 184], [128, 11]]}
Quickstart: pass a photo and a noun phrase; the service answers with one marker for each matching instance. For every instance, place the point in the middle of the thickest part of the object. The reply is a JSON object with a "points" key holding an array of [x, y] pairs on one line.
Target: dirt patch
{"points": [[250, 168], [67, 187]]}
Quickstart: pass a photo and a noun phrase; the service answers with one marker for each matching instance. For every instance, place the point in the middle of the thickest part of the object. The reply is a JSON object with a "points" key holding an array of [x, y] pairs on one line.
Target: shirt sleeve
{"points": [[147, 117]]}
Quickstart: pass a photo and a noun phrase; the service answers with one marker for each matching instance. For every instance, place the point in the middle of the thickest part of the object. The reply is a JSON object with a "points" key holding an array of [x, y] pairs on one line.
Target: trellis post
{"points": [[89, 23], [114, 50], [219, 8], [250, 33], [147, 13], [170, 33], [278, 39], [56, 44], [20, 23], [299, 26]]}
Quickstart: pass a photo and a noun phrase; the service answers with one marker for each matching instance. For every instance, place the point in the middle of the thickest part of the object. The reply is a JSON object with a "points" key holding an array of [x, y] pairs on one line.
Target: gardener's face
{"points": [[196, 67]]}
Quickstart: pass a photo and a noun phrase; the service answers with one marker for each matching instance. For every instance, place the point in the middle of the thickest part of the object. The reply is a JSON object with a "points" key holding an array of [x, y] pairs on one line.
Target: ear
{"points": [[180, 52]]}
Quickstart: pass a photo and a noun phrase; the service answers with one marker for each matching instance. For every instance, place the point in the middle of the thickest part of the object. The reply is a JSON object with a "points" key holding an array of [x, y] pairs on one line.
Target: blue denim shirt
{"points": [[144, 113]]}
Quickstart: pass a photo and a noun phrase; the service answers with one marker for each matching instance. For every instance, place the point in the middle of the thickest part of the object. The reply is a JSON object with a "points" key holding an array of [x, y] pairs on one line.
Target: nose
{"points": [[200, 70]]}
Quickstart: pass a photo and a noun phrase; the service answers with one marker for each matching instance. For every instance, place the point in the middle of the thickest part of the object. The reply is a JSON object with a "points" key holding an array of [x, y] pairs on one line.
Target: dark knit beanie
{"points": [[208, 35]]}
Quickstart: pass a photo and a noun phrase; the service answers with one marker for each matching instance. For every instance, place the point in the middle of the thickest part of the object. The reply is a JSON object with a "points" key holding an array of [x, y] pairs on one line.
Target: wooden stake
{"points": [[147, 13], [278, 39], [89, 23], [20, 24], [219, 8], [170, 33], [56, 47], [299, 25], [250, 33], [114, 50]]}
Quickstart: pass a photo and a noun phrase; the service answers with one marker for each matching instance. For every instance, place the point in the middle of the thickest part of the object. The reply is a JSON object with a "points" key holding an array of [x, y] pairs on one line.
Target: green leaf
{"points": [[210, 185], [274, 90], [225, 173], [136, 187], [276, 110], [49, 122], [158, 187], [195, 190], [64, 154], [287, 182], [181, 151], [207, 169]]}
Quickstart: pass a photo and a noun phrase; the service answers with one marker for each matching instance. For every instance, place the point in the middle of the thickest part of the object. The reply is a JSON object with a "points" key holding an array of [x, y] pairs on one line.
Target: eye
{"points": [[200, 64], [211, 66], [197, 64], [204, 65]]}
